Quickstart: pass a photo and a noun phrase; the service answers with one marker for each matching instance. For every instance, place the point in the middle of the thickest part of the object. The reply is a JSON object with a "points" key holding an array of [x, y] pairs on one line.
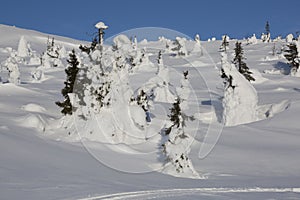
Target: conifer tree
{"points": [[240, 64], [88, 49], [292, 56], [227, 79], [159, 59], [52, 50], [176, 144], [267, 28], [266, 37], [71, 72], [176, 116], [225, 43], [142, 100]]}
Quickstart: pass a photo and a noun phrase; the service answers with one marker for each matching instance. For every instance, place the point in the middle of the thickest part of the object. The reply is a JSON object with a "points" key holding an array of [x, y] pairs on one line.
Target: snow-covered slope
{"points": [[258, 160]]}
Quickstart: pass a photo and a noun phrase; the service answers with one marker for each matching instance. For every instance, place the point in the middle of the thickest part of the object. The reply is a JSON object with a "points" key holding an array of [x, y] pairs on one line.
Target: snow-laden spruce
{"points": [[183, 92], [23, 47], [180, 46], [11, 64], [106, 109], [128, 51], [53, 55], [293, 57], [176, 145], [265, 37], [197, 49], [289, 38], [240, 97], [225, 43]]}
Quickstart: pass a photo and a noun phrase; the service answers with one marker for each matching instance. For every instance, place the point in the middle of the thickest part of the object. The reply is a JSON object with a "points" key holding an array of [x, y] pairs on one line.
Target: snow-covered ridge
{"points": [[13, 34]]}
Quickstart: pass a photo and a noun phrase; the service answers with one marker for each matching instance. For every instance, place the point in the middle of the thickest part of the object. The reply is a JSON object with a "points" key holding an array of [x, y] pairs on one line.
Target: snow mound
{"points": [[258, 77], [207, 117], [272, 71], [31, 107], [32, 121], [267, 111], [270, 58], [38, 74], [137, 115]]}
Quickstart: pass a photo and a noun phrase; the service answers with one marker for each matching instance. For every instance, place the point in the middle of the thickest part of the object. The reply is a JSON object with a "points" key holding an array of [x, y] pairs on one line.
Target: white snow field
{"points": [[44, 155]]}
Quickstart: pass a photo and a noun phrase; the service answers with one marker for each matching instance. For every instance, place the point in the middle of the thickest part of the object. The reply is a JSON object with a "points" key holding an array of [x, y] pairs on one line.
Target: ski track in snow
{"points": [[152, 194]]}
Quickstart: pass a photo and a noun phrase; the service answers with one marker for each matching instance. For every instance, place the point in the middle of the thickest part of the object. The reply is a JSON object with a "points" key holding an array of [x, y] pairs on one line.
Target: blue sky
{"points": [[76, 18]]}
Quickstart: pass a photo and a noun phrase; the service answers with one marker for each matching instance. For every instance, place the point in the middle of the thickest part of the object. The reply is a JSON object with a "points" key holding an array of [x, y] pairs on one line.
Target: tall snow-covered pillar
{"points": [[101, 27]]}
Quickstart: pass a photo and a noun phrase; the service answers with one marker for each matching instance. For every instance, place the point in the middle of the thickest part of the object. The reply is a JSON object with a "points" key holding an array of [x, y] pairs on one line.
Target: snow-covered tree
{"points": [[101, 27], [135, 43], [157, 87], [169, 44], [240, 64], [197, 47], [37, 74], [88, 49], [293, 57], [52, 57], [176, 145], [240, 97], [274, 49], [71, 72], [183, 91], [225, 43], [11, 64], [252, 40], [127, 54], [138, 56], [108, 91], [52, 49], [266, 37], [34, 59], [161, 91], [107, 72], [23, 48], [267, 28], [95, 50], [142, 100], [289, 38], [159, 59], [180, 46]]}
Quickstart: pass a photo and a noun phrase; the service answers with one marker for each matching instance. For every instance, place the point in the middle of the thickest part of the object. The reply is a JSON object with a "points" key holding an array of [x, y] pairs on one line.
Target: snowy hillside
{"points": [[146, 119]]}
